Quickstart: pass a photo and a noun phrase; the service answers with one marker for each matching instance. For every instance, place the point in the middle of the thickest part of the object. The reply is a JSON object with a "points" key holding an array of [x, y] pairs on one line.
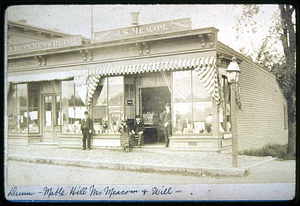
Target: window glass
{"points": [[115, 91], [130, 90], [58, 114], [199, 91], [182, 86], [72, 108], [130, 93], [115, 116], [48, 110], [100, 96], [202, 117], [33, 108], [100, 118], [22, 115], [11, 108], [192, 104], [182, 118], [115, 102], [67, 95]]}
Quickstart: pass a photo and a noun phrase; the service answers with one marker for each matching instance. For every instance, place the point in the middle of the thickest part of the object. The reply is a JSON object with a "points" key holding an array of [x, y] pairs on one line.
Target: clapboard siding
{"points": [[261, 120]]}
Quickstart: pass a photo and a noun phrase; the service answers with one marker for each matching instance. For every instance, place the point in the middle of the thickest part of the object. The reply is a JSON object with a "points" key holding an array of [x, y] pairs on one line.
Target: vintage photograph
{"points": [[150, 102]]}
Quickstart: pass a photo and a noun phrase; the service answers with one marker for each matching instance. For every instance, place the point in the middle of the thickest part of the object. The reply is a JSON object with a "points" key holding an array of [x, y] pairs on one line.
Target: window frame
{"points": [[15, 109], [108, 103], [192, 103]]}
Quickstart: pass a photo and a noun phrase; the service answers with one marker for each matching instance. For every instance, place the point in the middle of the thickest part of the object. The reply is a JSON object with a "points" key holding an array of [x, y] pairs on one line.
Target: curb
{"points": [[260, 163], [134, 167]]}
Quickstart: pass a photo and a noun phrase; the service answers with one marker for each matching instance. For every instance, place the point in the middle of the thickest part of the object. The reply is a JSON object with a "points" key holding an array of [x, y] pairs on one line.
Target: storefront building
{"points": [[135, 71]]}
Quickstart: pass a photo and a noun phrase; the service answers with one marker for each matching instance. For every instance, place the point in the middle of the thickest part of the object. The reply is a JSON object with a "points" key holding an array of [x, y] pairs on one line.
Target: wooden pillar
{"points": [[215, 118], [137, 96]]}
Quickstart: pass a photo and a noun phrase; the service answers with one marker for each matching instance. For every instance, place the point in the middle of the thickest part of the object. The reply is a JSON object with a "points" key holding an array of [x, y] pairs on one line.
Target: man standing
{"points": [[165, 117], [87, 130], [138, 129]]}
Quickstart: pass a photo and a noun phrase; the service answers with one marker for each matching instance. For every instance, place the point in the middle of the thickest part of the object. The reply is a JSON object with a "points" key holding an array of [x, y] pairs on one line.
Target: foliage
{"points": [[288, 39], [274, 150], [280, 63]]}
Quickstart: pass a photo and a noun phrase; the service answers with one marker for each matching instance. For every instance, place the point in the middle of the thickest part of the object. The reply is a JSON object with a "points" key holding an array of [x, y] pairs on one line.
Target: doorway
{"points": [[152, 103], [51, 119]]}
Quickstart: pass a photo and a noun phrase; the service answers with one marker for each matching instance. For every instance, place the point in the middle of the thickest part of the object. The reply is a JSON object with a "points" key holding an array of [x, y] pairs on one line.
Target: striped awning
{"points": [[92, 82], [209, 77], [205, 67]]}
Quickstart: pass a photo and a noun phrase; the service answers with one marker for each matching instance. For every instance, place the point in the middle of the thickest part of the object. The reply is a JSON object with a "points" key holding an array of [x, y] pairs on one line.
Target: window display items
{"points": [[208, 122]]}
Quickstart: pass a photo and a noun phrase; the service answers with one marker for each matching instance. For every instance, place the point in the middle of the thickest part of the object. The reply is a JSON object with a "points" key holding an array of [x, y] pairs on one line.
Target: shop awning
{"points": [[205, 67], [37, 77], [80, 79]]}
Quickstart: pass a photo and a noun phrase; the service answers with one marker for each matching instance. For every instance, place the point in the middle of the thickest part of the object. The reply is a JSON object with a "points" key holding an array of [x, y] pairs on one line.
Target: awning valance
{"points": [[37, 77], [154, 67], [205, 67]]}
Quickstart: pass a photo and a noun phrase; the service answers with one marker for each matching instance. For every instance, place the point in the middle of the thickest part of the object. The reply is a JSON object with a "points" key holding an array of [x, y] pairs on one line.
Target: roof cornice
{"points": [[96, 45], [11, 24]]}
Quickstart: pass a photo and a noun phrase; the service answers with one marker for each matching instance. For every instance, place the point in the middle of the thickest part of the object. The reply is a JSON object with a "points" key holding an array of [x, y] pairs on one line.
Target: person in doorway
{"points": [[138, 129], [87, 130], [165, 118]]}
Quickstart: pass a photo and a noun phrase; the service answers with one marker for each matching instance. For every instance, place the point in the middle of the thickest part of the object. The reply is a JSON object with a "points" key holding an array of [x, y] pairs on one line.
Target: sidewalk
{"points": [[154, 160]]}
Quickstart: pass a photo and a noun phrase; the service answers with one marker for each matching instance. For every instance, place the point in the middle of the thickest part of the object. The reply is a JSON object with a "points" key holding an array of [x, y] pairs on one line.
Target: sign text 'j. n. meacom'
{"points": [[144, 30], [45, 45]]}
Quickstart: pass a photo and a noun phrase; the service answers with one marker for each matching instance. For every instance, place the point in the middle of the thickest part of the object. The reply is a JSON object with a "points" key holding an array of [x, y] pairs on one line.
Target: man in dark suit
{"points": [[87, 130], [138, 129], [166, 119]]}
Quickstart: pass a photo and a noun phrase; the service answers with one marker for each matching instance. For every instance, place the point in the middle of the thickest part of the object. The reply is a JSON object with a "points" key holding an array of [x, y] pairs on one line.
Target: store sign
{"points": [[144, 30], [227, 136], [129, 102], [45, 45]]}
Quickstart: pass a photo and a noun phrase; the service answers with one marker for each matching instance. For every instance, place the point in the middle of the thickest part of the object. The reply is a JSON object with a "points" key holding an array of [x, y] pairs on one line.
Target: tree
{"points": [[288, 39], [280, 63]]}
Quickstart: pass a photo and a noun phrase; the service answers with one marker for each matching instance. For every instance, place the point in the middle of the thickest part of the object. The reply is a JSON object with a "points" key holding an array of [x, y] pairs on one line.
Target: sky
{"points": [[76, 19]]}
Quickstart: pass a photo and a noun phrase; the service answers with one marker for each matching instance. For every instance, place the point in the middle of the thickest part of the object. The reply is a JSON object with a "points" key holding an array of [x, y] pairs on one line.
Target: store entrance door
{"points": [[153, 102], [51, 117]]}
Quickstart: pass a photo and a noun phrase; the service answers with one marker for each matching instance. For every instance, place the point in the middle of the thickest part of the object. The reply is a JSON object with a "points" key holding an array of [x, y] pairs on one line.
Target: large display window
{"points": [[108, 105], [192, 104], [17, 109], [72, 108], [23, 108], [33, 108]]}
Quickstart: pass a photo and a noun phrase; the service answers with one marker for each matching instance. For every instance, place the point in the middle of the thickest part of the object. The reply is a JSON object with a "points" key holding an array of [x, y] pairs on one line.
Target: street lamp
{"points": [[233, 72]]}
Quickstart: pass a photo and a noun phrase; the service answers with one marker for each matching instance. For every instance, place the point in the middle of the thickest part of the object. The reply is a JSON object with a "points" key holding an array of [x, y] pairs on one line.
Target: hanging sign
{"points": [[144, 30], [129, 102], [45, 45]]}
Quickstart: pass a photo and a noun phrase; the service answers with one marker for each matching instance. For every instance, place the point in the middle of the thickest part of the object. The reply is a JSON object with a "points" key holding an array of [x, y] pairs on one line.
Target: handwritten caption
{"points": [[91, 190]]}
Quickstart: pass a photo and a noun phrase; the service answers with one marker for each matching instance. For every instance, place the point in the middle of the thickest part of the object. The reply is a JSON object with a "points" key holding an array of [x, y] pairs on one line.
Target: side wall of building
{"points": [[261, 120]]}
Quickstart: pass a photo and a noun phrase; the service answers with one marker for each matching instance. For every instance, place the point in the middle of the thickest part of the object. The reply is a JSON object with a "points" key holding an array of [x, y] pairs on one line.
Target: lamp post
{"points": [[233, 72]]}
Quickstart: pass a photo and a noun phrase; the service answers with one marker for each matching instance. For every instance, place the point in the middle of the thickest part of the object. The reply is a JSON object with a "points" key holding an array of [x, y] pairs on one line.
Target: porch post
{"points": [[215, 120]]}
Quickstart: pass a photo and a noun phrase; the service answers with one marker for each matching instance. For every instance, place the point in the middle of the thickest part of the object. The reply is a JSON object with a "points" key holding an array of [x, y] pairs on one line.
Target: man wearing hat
{"points": [[87, 130], [165, 118], [138, 129]]}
